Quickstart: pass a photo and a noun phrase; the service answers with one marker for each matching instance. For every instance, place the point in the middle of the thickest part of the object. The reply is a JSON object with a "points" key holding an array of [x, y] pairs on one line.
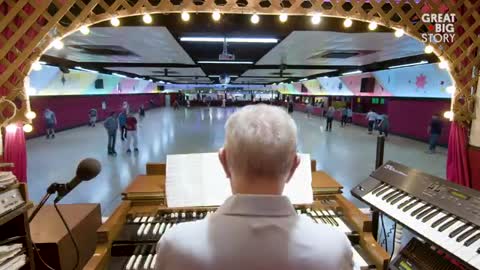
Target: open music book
{"points": [[199, 180]]}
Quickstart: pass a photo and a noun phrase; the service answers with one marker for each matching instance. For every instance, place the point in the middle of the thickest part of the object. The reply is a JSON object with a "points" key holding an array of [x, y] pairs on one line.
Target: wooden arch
{"points": [[27, 28]]}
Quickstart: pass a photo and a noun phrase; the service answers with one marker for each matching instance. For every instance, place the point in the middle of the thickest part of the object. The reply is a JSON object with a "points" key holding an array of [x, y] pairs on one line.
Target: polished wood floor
{"points": [[347, 154]]}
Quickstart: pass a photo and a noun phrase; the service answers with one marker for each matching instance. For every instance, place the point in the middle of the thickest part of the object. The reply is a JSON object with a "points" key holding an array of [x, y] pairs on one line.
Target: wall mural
{"points": [[427, 81], [52, 81]]}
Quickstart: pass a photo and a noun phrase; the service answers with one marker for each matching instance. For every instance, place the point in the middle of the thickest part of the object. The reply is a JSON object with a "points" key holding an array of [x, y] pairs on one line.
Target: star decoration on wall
{"points": [[421, 81]]}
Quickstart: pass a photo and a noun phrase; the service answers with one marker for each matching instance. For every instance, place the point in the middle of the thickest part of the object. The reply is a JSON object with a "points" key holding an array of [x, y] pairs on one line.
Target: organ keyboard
{"points": [[442, 212], [128, 238]]}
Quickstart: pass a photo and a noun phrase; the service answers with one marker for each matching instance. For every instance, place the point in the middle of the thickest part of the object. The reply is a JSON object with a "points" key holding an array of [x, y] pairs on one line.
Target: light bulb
{"points": [[372, 26], [283, 17], [57, 44], [448, 115], [347, 23], [399, 33], [255, 19], [36, 66], [443, 64], [115, 21], [147, 19], [216, 16], [428, 49], [27, 128], [450, 89], [11, 128], [84, 30], [185, 16], [30, 115], [316, 19]]}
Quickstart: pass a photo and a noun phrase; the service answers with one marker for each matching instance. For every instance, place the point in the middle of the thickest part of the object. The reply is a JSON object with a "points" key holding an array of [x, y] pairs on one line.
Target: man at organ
{"points": [[257, 227]]}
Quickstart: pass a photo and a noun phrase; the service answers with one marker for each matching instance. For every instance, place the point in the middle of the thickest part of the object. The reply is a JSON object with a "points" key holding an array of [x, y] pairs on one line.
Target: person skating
{"points": [[330, 114], [50, 122], [111, 126], [132, 136], [122, 121]]}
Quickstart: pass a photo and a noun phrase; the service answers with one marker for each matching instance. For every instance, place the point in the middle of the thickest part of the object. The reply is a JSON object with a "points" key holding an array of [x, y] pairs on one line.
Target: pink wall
{"points": [[72, 111], [474, 160], [411, 118]]}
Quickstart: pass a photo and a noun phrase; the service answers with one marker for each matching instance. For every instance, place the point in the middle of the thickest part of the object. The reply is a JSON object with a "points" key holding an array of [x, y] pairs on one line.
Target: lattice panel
{"points": [[27, 27]]}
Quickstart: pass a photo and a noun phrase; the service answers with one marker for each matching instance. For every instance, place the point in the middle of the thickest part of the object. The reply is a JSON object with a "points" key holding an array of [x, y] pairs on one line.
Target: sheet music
{"points": [[199, 180]]}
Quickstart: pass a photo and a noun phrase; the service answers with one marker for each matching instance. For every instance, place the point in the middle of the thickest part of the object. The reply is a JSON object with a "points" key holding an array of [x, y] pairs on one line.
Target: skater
{"points": [[132, 136], [50, 122], [111, 126]]}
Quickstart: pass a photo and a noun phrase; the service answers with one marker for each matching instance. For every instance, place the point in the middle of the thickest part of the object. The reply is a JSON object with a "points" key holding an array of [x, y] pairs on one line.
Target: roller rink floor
{"points": [[347, 154]]}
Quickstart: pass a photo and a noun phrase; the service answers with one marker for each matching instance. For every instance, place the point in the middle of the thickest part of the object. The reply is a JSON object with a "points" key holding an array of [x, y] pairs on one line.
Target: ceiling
{"points": [[303, 50]]}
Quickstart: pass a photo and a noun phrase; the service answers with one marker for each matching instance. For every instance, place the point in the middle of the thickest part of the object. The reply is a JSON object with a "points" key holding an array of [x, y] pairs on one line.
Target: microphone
{"points": [[87, 169]]}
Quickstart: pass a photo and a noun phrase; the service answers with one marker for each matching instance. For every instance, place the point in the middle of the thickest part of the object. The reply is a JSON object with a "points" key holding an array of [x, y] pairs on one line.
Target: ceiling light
{"points": [[185, 16], [450, 89], [372, 25], [352, 72], [30, 115], [443, 64], [87, 70], [409, 64], [399, 33], [428, 49], [255, 19], [306, 4], [448, 115], [216, 16], [57, 44], [283, 17], [226, 62], [147, 19], [348, 22], [115, 21], [84, 30], [265, 3], [27, 128], [36, 66], [229, 40], [242, 3], [316, 19], [119, 75]]}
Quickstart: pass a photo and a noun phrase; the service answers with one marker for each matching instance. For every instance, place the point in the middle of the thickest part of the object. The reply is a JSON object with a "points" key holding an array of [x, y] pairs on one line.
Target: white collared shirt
{"points": [[254, 232]]}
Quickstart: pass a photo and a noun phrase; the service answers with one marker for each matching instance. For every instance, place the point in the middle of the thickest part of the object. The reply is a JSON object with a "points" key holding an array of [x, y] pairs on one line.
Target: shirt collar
{"points": [[257, 205]]}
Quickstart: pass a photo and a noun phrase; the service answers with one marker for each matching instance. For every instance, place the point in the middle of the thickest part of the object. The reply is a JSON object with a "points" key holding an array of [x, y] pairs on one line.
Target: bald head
{"points": [[260, 147]]}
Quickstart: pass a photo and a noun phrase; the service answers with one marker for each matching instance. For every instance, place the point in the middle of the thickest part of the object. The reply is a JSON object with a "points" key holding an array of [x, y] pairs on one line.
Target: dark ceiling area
{"points": [[334, 55]]}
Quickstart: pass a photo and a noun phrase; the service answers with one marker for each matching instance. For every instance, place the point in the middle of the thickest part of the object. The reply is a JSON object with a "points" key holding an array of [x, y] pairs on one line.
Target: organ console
{"points": [[127, 240], [445, 214]]}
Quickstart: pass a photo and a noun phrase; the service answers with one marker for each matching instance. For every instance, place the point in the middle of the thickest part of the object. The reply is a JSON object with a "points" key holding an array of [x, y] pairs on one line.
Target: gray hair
{"points": [[260, 140]]}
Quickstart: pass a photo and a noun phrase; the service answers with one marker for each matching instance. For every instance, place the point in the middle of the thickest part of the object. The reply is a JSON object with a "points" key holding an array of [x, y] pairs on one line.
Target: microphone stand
{"points": [[52, 189]]}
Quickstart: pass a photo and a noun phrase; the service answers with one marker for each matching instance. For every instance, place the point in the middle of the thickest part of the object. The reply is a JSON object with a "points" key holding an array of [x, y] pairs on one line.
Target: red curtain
{"points": [[15, 151], [457, 160]]}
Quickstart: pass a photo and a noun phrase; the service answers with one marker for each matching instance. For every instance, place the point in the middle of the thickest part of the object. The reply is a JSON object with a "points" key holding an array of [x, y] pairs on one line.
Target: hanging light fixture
{"points": [[255, 19], [372, 26], [316, 19], [147, 18], [283, 17], [84, 30], [399, 33], [115, 21], [347, 22], [58, 44], [429, 49], [216, 16], [185, 16]]}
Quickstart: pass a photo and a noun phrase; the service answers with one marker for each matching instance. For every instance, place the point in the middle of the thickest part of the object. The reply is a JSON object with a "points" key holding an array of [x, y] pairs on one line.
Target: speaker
{"points": [[99, 84], [367, 85]]}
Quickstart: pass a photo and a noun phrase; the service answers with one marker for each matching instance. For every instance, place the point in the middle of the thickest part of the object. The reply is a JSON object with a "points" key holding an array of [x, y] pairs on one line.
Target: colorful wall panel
{"points": [[51, 81], [426, 81]]}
